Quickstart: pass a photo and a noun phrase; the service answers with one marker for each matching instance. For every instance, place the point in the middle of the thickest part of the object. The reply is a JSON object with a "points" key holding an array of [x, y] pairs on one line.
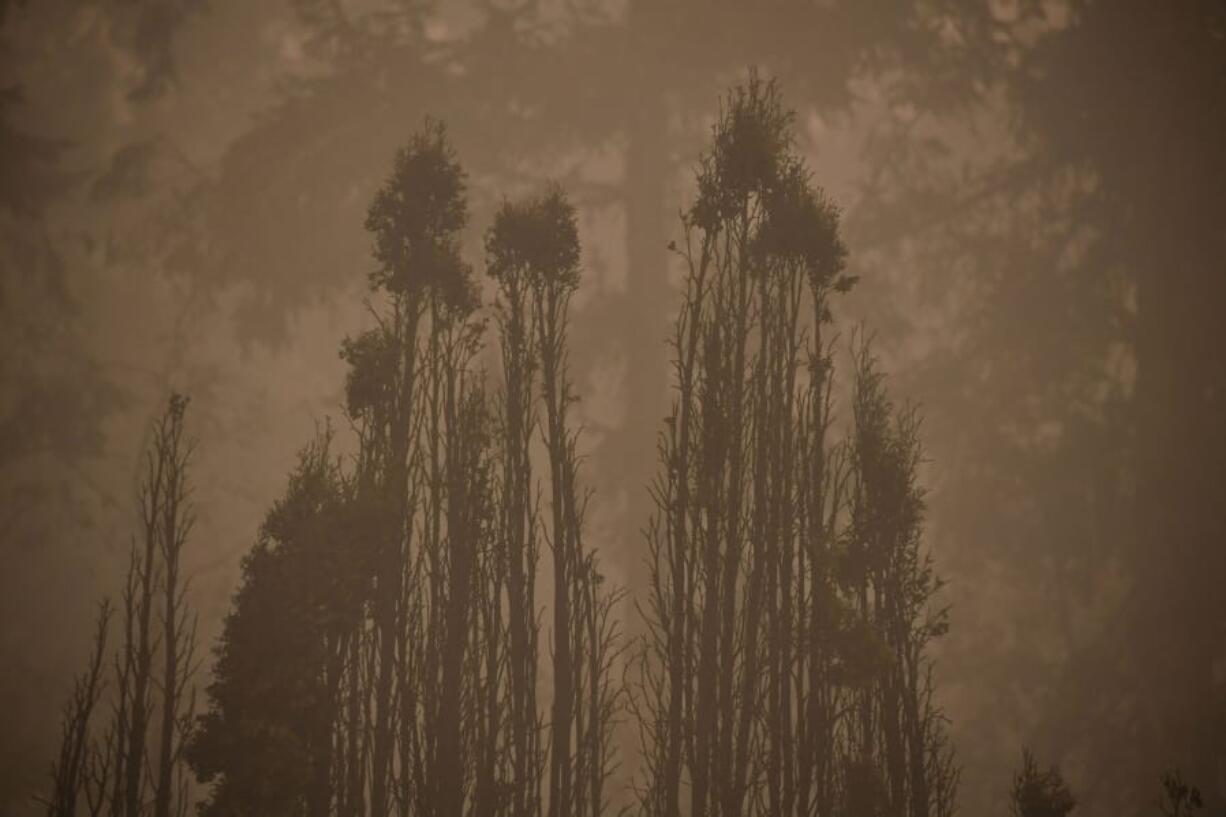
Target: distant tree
{"points": [[1179, 798], [1155, 223], [1098, 443], [1038, 793]]}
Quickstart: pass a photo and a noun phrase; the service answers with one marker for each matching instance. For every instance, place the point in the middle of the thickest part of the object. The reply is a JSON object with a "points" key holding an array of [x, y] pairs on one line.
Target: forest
{"points": [[581, 408]]}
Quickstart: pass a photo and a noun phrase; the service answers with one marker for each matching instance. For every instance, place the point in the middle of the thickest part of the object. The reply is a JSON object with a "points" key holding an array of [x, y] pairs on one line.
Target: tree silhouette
{"points": [[266, 742], [79, 767], [1039, 794], [418, 691], [1179, 799], [788, 586], [137, 765], [1052, 427]]}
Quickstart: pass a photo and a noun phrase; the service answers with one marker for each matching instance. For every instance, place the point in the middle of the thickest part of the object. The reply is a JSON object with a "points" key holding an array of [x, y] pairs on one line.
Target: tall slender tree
{"points": [[73, 771], [419, 690], [534, 255], [784, 668], [137, 764]]}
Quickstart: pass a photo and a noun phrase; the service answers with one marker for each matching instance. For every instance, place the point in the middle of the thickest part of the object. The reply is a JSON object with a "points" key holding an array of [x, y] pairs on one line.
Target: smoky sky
{"points": [[1030, 194]]}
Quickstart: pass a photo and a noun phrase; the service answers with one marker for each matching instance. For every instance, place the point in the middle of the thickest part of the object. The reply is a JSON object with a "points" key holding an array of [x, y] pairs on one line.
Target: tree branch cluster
{"points": [[135, 766], [790, 604], [385, 655]]}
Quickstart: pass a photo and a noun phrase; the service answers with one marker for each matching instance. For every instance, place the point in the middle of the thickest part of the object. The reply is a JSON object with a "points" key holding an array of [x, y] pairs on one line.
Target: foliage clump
{"points": [[416, 217], [536, 237], [1038, 793]]}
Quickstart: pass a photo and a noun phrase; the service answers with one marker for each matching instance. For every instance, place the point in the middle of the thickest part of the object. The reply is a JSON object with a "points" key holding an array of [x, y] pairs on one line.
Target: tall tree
{"points": [[138, 762], [76, 768], [767, 625], [415, 220], [519, 526], [419, 693]]}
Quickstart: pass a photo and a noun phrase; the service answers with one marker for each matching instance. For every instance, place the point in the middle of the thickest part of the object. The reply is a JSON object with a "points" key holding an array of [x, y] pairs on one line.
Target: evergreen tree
{"points": [[265, 743]]}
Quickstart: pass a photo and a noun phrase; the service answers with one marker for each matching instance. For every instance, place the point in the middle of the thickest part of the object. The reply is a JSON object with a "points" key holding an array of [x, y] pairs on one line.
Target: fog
{"points": [[1031, 199]]}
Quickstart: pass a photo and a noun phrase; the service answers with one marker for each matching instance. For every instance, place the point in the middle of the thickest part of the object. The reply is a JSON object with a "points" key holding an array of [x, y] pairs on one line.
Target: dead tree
{"points": [[179, 627], [138, 761], [73, 771]]}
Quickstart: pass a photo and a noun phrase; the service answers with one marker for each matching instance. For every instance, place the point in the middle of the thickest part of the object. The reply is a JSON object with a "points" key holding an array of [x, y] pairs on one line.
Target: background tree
{"points": [[1075, 433], [1179, 799], [1037, 793]]}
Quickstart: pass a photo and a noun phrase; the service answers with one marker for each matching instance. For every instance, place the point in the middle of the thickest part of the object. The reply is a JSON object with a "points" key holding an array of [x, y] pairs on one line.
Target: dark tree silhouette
{"points": [[1038, 793], [784, 669], [1118, 277], [265, 744], [417, 692], [137, 766], [518, 523], [78, 767], [1179, 798]]}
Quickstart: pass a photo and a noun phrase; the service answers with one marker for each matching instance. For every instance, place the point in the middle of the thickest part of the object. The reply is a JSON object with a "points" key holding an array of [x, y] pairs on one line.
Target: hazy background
{"points": [[1032, 196]]}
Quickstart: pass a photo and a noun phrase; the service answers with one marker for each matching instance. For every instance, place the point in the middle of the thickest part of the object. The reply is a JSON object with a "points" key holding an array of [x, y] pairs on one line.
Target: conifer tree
{"points": [[265, 744]]}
